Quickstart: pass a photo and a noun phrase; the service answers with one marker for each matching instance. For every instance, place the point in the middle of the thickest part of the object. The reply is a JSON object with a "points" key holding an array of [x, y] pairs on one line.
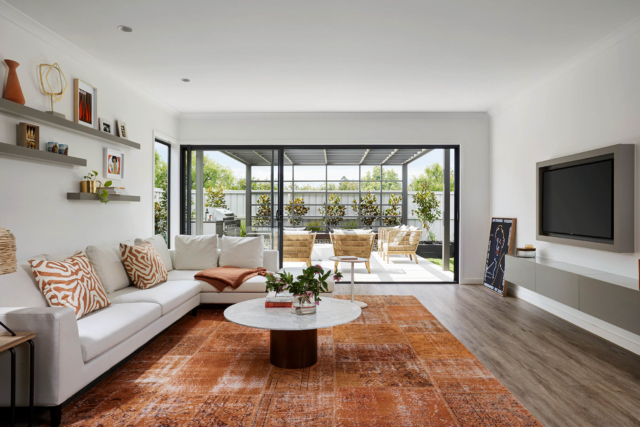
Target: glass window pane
{"points": [[309, 186], [310, 173], [288, 174], [392, 173], [347, 186], [370, 173], [261, 173], [342, 173], [161, 190]]}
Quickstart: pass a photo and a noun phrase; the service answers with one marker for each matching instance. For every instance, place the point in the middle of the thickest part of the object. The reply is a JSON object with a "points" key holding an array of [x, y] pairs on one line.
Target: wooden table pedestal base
{"points": [[294, 349]]}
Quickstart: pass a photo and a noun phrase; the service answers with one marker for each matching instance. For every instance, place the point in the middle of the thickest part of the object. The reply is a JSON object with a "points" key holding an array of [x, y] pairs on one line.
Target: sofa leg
{"points": [[194, 312], [55, 413]]}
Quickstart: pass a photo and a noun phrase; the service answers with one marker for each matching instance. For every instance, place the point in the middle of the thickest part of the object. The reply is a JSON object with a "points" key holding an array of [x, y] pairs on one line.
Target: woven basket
{"points": [[8, 261]]}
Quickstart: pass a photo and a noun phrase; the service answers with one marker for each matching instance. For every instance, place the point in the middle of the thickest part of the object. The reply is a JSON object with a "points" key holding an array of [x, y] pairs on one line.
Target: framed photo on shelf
{"points": [[104, 126], [29, 136], [113, 164], [85, 104], [122, 129]]}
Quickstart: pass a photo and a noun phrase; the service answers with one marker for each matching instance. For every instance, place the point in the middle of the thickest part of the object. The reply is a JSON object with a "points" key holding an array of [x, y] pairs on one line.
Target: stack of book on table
{"points": [[119, 191], [282, 300]]}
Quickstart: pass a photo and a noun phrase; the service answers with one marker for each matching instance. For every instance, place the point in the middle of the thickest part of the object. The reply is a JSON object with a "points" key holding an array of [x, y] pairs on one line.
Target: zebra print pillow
{"points": [[70, 283], [144, 265]]}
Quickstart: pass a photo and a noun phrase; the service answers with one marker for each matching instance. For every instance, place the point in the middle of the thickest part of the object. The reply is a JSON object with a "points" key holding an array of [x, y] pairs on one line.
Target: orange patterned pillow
{"points": [[144, 265], [71, 283]]}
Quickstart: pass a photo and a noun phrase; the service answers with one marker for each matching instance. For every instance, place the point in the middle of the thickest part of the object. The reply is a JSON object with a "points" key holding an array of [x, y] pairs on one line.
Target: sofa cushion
{"points": [[160, 246], [104, 329], [242, 252], [107, 262], [168, 294], [196, 252], [70, 283], [143, 264]]}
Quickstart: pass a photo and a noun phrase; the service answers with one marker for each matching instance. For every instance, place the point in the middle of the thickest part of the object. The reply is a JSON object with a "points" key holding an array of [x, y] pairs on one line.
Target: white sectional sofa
{"points": [[71, 354]]}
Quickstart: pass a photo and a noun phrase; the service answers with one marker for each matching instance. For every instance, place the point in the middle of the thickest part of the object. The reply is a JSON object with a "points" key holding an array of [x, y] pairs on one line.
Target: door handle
{"points": [[279, 216]]}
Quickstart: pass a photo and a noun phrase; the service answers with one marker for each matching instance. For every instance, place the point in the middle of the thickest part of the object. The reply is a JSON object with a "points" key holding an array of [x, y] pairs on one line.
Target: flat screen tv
{"points": [[578, 200]]}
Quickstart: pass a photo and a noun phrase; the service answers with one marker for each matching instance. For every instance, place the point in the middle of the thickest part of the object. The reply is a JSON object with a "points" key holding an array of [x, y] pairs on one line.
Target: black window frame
{"points": [[168, 145]]}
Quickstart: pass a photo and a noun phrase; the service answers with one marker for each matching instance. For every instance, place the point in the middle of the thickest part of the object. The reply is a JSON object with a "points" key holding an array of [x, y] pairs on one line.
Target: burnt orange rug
{"points": [[394, 366]]}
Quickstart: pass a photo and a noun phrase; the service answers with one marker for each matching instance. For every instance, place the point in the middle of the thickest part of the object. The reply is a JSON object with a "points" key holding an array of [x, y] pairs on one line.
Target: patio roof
{"points": [[330, 156]]}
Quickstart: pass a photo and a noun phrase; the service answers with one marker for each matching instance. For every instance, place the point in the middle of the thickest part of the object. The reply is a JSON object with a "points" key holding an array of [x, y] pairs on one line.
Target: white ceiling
{"points": [[332, 55]]}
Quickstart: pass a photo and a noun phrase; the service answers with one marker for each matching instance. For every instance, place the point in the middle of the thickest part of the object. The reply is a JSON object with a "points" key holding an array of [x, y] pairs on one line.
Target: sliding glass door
{"points": [[232, 193], [273, 191]]}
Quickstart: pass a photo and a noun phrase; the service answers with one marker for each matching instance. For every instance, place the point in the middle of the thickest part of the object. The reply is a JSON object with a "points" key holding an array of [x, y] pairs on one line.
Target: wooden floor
{"points": [[563, 374]]}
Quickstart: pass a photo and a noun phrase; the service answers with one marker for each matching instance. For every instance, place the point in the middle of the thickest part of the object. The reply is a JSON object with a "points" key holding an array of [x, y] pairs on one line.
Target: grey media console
{"points": [[608, 297]]}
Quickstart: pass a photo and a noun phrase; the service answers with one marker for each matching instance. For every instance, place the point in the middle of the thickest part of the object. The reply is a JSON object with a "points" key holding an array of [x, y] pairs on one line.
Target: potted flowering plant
{"points": [[306, 286]]}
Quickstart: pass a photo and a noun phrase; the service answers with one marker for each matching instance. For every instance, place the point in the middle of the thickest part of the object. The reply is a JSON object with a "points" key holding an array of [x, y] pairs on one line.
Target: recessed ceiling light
{"points": [[186, 80], [125, 29]]}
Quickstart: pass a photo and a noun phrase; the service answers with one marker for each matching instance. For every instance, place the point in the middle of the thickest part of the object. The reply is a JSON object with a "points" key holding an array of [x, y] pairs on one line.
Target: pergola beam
{"points": [[240, 159], [326, 162], [262, 157], [287, 157], [389, 156], [416, 156], [365, 155]]}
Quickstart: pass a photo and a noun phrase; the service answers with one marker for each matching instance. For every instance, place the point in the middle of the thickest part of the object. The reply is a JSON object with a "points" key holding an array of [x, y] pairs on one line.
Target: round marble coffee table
{"points": [[353, 264], [294, 338]]}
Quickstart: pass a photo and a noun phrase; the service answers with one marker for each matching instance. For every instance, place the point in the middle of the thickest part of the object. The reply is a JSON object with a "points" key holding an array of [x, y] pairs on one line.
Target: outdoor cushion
{"points": [[196, 252], [104, 329], [168, 294], [160, 246], [107, 262]]}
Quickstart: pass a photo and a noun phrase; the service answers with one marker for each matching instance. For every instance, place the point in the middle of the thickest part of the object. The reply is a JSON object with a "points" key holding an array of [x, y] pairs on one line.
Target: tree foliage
{"points": [[296, 210], [215, 197], [263, 215], [392, 213], [161, 208], [369, 180], [428, 205], [368, 210], [334, 211], [433, 177]]}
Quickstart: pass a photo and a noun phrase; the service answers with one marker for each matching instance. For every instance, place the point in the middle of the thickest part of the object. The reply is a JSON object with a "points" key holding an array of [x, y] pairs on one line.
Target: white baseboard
{"points": [[609, 332], [471, 281]]}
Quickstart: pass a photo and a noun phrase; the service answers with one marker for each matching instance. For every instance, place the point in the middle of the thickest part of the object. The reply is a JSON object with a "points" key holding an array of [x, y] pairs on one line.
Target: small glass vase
{"points": [[301, 306]]}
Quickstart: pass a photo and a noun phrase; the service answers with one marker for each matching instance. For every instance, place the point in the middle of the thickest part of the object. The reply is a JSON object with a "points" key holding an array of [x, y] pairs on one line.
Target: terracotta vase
{"points": [[13, 91]]}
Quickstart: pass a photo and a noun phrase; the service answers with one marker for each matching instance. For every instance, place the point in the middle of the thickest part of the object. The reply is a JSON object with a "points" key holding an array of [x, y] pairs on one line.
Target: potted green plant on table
{"points": [[306, 288]]}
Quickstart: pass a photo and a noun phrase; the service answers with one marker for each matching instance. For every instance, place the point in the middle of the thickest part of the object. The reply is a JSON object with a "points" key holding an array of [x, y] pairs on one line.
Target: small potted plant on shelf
{"points": [[306, 288], [89, 183]]}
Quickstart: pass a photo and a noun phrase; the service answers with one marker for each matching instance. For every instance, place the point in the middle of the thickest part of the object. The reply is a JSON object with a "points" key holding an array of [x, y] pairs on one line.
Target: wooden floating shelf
{"points": [[31, 114], [93, 196], [39, 155]]}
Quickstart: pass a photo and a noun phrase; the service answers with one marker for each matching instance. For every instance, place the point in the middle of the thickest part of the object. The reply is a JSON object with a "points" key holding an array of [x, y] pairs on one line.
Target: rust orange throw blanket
{"points": [[221, 277]]}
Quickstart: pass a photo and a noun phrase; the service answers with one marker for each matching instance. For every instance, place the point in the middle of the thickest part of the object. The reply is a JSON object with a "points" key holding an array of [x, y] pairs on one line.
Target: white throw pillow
{"points": [[243, 252], [160, 246], [196, 252], [107, 263]]}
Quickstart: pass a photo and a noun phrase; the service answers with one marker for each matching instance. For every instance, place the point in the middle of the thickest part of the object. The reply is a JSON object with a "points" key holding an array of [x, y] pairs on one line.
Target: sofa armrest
{"points": [[57, 350], [270, 260]]}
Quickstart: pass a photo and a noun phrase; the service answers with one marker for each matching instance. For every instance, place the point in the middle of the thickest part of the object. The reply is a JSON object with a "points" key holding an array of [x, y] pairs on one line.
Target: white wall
{"points": [[592, 102], [33, 202], [469, 130]]}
